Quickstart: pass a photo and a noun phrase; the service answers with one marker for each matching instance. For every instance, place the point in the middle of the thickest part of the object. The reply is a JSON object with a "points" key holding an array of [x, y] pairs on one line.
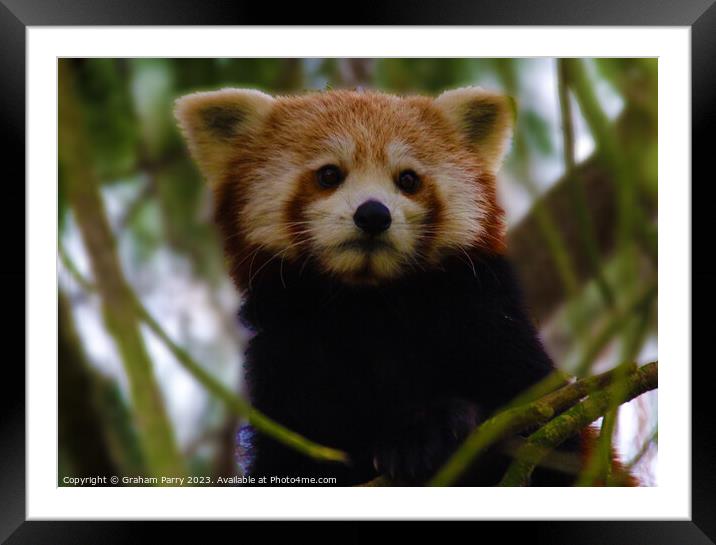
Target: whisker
{"points": [[269, 260], [472, 263], [283, 283]]}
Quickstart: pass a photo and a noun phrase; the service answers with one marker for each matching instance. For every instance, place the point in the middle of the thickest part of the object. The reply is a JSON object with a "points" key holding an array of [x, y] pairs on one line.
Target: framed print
{"points": [[360, 272]]}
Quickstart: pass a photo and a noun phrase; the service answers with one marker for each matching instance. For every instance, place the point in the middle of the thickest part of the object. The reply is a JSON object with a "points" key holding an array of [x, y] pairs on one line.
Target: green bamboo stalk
{"points": [[653, 438], [238, 405], [552, 237], [553, 434], [577, 191], [555, 243], [598, 466], [602, 456], [613, 326], [628, 209], [555, 380], [82, 439], [156, 435], [235, 403], [68, 264], [515, 420]]}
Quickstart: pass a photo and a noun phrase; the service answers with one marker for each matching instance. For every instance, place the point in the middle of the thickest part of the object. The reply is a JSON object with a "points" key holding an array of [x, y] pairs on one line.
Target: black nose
{"points": [[372, 217]]}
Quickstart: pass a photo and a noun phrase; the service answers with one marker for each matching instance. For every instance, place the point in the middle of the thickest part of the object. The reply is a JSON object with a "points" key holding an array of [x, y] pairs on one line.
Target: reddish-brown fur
{"points": [[298, 127], [619, 474], [297, 123]]}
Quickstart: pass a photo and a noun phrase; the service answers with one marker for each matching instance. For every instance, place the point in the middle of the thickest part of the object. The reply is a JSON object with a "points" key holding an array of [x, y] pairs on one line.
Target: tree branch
{"points": [[156, 435], [517, 419], [236, 404], [553, 434], [81, 436], [613, 325], [539, 275], [579, 199]]}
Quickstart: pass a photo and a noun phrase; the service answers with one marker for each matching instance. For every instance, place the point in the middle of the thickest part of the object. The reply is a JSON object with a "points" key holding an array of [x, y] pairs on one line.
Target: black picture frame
{"points": [[700, 15]]}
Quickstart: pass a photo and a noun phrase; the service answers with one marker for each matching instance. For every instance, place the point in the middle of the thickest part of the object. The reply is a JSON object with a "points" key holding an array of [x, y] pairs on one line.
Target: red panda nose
{"points": [[372, 217]]}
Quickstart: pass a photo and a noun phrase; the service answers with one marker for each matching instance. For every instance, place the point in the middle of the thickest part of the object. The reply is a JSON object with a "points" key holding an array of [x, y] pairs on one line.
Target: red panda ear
{"points": [[215, 122], [485, 120]]}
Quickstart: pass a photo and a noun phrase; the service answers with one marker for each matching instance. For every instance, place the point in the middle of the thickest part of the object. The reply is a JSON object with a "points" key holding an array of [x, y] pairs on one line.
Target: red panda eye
{"points": [[329, 176], [408, 181]]}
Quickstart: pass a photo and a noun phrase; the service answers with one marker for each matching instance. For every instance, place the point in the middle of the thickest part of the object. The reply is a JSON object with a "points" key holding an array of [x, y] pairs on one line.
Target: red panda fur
{"points": [[296, 123], [459, 344]]}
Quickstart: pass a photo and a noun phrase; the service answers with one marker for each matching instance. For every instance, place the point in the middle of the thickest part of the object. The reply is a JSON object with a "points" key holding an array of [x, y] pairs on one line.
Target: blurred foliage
{"points": [[104, 89], [157, 204]]}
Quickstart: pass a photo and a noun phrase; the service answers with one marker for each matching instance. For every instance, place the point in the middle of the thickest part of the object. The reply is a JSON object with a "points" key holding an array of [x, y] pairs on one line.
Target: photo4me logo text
{"points": [[140, 480]]}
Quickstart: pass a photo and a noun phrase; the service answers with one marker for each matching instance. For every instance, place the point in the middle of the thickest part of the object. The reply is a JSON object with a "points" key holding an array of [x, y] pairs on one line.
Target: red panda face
{"points": [[367, 185]]}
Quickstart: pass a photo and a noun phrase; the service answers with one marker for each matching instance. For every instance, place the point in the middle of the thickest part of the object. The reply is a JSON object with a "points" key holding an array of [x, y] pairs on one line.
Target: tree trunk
{"points": [[541, 282]]}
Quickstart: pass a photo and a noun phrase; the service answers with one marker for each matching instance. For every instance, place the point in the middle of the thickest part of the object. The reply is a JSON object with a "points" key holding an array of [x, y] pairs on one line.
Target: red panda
{"points": [[364, 232]]}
